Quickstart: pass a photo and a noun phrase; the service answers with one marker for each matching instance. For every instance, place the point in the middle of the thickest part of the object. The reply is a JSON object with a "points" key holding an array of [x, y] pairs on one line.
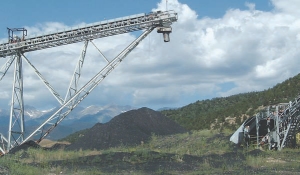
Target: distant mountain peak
{"points": [[80, 118]]}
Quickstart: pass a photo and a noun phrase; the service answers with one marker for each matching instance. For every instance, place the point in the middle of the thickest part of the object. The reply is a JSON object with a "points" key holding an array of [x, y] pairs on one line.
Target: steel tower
{"points": [[276, 126], [17, 46]]}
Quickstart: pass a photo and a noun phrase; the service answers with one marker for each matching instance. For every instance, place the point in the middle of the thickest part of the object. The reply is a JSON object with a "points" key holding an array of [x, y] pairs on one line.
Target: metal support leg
{"points": [[3, 144], [16, 122], [257, 131], [277, 129]]}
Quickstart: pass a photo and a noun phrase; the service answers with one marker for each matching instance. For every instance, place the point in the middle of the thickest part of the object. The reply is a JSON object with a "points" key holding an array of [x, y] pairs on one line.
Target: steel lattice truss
{"points": [[285, 118], [287, 123], [15, 48]]}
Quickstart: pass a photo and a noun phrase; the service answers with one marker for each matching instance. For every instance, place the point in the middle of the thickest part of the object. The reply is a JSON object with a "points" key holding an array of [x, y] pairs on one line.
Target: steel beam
{"points": [[47, 84], [77, 73], [6, 66], [101, 29], [16, 122]]}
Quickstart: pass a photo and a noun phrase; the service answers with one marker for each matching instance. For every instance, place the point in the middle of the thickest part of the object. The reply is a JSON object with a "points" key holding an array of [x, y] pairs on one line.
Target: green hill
{"points": [[230, 112]]}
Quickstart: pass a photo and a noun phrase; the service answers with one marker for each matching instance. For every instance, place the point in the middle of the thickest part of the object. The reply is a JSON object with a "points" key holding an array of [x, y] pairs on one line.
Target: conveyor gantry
{"points": [[161, 20], [17, 46]]}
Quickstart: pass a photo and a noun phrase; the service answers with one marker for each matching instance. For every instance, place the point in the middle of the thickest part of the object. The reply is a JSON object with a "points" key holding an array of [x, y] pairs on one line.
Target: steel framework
{"points": [[16, 46], [281, 132]]}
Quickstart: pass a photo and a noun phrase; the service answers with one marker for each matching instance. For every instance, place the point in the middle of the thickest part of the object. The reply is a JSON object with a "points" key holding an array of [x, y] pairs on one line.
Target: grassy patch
{"points": [[209, 152]]}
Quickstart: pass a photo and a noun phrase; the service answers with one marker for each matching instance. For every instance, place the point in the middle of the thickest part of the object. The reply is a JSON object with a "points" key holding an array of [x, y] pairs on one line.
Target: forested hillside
{"points": [[206, 113]]}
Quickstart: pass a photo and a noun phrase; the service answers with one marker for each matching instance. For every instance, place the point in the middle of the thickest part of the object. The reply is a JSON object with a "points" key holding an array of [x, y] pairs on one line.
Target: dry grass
{"points": [[46, 143], [197, 143]]}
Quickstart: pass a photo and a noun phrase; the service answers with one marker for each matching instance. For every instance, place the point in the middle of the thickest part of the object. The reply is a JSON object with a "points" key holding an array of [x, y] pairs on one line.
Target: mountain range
{"points": [[80, 118]]}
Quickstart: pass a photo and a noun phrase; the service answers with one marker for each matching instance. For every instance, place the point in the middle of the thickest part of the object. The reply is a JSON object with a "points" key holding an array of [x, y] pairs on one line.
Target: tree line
{"points": [[212, 114]]}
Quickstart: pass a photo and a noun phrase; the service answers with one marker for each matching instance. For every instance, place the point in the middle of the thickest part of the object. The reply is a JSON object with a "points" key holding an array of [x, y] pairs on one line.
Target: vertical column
{"points": [[16, 122], [277, 128], [257, 130]]}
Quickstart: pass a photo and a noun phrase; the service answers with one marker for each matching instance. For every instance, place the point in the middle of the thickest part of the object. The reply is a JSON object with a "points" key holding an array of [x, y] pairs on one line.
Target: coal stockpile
{"points": [[130, 128], [24, 146]]}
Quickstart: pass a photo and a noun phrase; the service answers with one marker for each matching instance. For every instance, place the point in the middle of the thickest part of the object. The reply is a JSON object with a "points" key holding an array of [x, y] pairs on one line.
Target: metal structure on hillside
{"points": [[276, 126], [17, 46]]}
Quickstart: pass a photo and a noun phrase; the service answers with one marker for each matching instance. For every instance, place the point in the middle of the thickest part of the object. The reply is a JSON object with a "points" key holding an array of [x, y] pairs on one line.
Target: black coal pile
{"points": [[129, 128], [24, 146]]}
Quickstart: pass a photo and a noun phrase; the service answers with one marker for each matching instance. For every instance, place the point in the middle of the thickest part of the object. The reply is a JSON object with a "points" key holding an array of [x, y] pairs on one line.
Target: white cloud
{"points": [[251, 49], [287, 7], [251, 6]]}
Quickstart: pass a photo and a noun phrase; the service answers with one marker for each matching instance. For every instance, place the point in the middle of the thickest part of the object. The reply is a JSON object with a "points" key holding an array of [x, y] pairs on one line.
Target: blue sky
{"points": [[218, 48], [18, 13]]}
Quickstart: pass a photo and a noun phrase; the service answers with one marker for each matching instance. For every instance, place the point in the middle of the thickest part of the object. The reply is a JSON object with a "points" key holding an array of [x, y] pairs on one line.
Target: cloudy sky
{"points": [[218, 48]]}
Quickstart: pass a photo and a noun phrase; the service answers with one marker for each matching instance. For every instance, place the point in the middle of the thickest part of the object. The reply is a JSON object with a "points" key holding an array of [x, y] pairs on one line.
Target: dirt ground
{"points": [[151, 163], [3, 170]]}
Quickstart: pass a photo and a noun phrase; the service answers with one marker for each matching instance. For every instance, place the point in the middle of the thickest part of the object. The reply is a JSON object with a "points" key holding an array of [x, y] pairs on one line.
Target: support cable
{"points": [[46, 83], [100, 52]]}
